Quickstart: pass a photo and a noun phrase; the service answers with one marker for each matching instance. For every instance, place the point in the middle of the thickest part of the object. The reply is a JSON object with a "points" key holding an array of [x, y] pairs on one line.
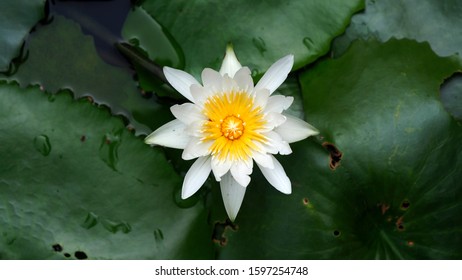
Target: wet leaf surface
{"points": [[380, 182], [433, 21], [61, 57], [261, 32], [17, 18], [395, 192], [73, 175]]}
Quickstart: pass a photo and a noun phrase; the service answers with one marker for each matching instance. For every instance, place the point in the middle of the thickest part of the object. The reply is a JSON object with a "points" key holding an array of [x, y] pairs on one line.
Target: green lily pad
{"points": [[382, 179], [261, 32], [17, 17], [148, 44], [433, 21], [152, 38], [61, 57], [75, 183]]}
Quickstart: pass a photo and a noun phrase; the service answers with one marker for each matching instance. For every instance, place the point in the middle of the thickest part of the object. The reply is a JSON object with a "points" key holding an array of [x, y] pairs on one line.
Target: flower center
{"points": [[232, 127]]}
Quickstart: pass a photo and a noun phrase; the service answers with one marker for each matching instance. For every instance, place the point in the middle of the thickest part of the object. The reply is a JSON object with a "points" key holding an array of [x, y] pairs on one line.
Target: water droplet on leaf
{"points": [[309, 44], [159, 44], [115, 227], [90, 221], [259, 44], [108, 150], [158, 235], [42, 144]]}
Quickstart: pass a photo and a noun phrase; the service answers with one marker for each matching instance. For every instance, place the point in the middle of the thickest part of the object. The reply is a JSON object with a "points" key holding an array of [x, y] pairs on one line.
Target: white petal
{"points": [[278, 103], [220, 167], [244, 80], [211, 79], [267, 146], [233, 195], [196, 148], [229, 84], [171, 134], [240, 171], [295, 129], [261, 98], [275, 142], [196, 176], [274, 120], [230, 63], [277, 177], [181, 81], [187, 113], [200, 94], [195, 129], [263, 159], [276, 74]]}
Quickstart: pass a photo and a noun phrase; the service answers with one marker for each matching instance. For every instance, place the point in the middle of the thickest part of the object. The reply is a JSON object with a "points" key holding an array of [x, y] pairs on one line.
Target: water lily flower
{"points": [[229, 124]]}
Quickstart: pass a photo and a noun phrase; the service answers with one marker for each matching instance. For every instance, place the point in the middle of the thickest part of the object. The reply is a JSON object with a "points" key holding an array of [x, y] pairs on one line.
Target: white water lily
{"points": [[229, 124]]}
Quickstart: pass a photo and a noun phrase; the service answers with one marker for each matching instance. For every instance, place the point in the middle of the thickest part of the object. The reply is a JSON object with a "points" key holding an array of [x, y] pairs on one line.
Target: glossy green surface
{"points": [[381, 181], [261, 31], [72, 175], [61, 57], [17, 18], [394, 191]]}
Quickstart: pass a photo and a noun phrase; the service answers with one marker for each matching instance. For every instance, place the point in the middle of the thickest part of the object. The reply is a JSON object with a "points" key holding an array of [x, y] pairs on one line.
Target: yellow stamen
{"points": [[233, 125]]}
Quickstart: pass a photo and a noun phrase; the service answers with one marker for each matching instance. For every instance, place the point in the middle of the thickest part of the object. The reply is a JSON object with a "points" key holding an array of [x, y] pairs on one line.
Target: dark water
{"points": [[101, 19]]}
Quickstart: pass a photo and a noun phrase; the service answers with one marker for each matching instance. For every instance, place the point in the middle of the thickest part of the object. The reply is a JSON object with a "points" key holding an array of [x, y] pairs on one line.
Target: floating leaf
{"points": [[17, 17], [67, 195], [382, 180], [150, 43], [61, 57], [153, 38], [261, 32], [433, 21]]}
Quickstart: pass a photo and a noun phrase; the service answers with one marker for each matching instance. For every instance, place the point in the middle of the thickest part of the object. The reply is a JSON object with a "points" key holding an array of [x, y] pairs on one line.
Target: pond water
{"points": [[103, 20]]}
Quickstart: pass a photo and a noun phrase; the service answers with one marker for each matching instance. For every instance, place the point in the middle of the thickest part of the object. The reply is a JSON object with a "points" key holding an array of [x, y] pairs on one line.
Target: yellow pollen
{"points": [[234, 126]]}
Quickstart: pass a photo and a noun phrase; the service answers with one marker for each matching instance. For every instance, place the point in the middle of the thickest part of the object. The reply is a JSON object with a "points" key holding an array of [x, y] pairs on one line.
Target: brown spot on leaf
{"points": [[305, 201], [405, 205], [334, 155], [383, 207], [83, 138], [219, 231], [399, 224], [410, 243]]}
